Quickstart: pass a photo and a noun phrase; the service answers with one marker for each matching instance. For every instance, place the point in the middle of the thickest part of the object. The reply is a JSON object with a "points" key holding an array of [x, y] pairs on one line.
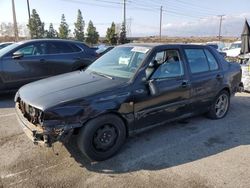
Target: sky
{"points": [[179, 18]]}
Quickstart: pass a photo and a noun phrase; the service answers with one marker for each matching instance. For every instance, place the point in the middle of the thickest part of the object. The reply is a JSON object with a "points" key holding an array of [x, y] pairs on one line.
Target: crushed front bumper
{"points": [[37, 134]]}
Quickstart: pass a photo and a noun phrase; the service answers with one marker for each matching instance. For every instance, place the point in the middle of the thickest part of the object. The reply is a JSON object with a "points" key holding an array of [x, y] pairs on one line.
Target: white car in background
{"points": [[233, 50]]}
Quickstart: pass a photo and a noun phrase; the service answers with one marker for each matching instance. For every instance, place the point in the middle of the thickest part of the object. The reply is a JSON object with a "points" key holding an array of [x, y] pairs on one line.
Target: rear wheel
{"points": [[102, 137], [220, 106]]}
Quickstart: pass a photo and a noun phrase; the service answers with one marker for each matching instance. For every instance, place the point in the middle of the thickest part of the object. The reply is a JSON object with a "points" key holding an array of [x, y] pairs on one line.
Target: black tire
{"points": [[102, 137], [214, 113]]}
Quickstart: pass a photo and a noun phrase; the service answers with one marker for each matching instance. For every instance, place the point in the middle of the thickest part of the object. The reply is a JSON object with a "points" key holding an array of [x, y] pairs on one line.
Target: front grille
{"points": [[30, 113]]}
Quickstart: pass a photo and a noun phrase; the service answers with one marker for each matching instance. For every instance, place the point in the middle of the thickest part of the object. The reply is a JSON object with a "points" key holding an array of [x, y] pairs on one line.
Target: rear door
{"points": [[171, 82], [206, 77], [63, 57], [30, 67]]}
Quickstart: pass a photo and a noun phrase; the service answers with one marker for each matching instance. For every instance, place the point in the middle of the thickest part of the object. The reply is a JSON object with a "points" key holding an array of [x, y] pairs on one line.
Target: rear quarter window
{"points": [[75, 48], [213, 64]]}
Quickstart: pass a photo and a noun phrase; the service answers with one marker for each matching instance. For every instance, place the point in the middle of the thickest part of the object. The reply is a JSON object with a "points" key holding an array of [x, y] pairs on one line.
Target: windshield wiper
{"points": [[103, 75]]}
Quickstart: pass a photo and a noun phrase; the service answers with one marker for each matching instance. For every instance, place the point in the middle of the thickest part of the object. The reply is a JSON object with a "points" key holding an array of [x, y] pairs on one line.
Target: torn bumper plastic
{"points": [[39, 135]]}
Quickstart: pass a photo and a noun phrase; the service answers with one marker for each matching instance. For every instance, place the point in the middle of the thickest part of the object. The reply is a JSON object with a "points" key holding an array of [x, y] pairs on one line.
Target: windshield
{"points": [[5, 50], [120, 62]]}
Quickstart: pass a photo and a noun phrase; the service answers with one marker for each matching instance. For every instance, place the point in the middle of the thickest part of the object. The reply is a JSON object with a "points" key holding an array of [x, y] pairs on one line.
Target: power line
{"points": [[179, 6], [93, 3]]}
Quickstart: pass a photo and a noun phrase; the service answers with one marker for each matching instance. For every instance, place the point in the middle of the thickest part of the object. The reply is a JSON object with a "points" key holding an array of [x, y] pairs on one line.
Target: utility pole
{"points": [[28, 5], [124, 15], [160, 21], [129, 24], [221, 18], [14, 21]]}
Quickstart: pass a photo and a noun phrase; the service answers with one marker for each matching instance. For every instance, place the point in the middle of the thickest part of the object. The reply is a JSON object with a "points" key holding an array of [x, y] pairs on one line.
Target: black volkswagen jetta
{"points": [[27, 61], [132, 87]]}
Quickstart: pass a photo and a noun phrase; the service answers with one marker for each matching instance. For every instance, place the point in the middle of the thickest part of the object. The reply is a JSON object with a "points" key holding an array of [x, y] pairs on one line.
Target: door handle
{"points": [[219, 76], [77, 58], [139, 91], [185, 83]]}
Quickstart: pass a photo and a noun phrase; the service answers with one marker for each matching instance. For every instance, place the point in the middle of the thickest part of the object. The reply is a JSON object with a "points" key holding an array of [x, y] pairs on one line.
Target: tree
{"points": [[6, 29], [36, 26], [123, 39], [63, 28], [92, 34], [111, 35], [51, 33], [23, 30], [79, 27]]}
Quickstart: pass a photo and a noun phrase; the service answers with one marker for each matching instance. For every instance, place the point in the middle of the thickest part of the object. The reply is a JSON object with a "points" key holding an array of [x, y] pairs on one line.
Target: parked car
{"points": [[4, 44], [215, 46], [103, 50], [111, 100], [233, 50], [27, 61]]}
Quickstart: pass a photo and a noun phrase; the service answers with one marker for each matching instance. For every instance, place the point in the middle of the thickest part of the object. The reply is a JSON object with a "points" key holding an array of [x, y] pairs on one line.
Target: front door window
{"points": [[33, 49], [170, 66]]}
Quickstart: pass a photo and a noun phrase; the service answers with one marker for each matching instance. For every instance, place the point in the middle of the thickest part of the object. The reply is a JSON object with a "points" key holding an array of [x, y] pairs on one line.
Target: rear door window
{"points": [[60, 48], [197, 60]]}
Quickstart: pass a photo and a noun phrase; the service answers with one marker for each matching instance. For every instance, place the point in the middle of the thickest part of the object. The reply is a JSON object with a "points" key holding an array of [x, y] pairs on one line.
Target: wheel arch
{"points": [[226, 89], [124, 120]]}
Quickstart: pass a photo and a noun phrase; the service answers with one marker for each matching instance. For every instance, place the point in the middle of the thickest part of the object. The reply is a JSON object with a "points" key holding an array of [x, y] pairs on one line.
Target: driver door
{"points": [[30, 67], [172, 91]]}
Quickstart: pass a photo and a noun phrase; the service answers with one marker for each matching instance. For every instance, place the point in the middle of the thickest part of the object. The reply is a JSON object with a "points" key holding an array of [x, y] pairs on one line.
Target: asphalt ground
{"points": [[197, 153]]}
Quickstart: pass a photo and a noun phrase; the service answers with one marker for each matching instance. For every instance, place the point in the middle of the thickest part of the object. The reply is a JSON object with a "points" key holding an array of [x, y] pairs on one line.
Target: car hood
{"points": [[53, 91], [233, 52]]}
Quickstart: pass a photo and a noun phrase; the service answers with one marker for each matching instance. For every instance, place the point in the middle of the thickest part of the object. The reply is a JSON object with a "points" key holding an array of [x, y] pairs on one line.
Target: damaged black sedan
{"points": [[131, 88]]}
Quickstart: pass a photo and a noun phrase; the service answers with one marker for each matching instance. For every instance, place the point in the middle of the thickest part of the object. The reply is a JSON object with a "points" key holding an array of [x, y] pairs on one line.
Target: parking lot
{"points": [[196, 153]]}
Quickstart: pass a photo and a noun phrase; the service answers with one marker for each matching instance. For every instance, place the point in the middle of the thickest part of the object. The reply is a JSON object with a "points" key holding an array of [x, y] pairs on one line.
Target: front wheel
{"points": [[102, 137], [220, 106]]}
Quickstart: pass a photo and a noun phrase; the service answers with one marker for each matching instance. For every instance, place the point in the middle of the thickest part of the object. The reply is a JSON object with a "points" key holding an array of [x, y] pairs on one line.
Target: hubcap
{"points": [[221, 105], [105, 137]]}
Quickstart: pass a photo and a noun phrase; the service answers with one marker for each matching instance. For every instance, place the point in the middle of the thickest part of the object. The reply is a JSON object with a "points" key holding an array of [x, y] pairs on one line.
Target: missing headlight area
{"points": [[31, 113]]}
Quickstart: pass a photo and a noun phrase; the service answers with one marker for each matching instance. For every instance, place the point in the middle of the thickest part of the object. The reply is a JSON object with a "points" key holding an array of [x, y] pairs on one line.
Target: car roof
{"points": [[153, 45], [46, 39], [6, 43]]}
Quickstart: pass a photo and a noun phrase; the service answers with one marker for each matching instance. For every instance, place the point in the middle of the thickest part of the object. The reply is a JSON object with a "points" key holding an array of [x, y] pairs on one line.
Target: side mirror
{"points": [[153, 64], [144, 79], [17, 55], [152, 87]]}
